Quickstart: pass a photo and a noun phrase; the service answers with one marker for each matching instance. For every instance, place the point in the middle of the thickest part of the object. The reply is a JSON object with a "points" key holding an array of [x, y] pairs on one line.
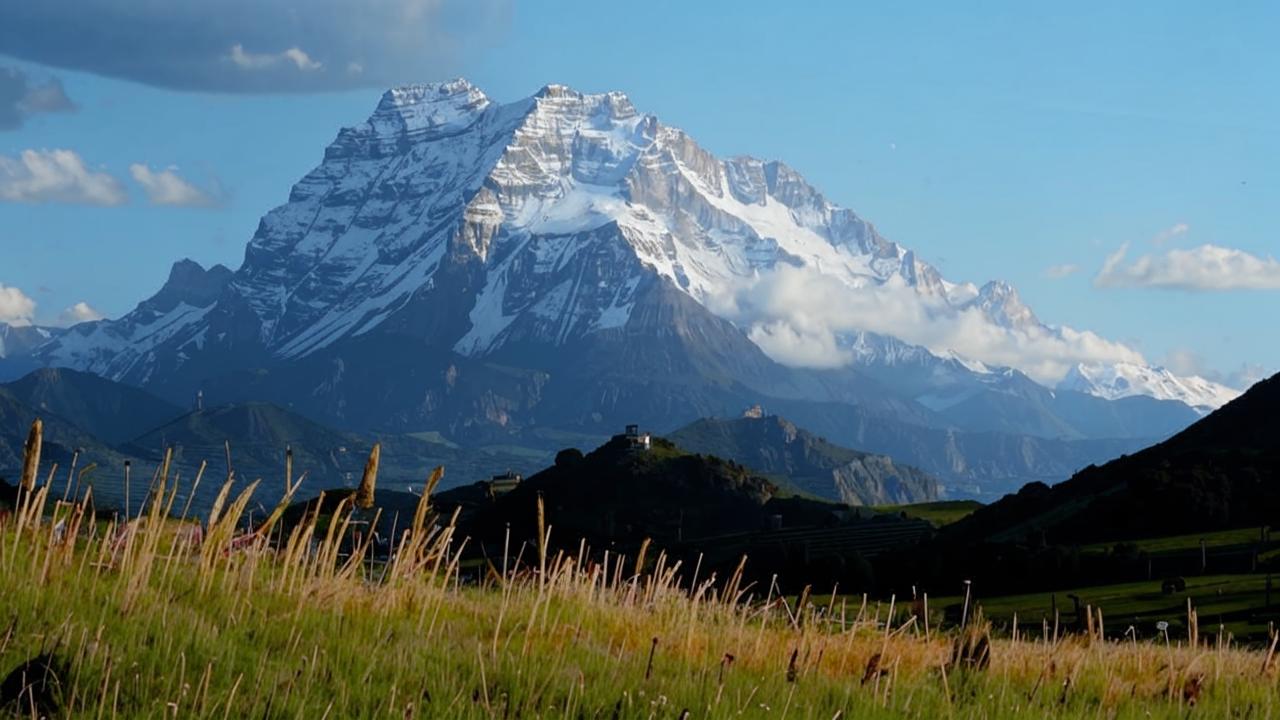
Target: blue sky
{"points": [[998, 142]]}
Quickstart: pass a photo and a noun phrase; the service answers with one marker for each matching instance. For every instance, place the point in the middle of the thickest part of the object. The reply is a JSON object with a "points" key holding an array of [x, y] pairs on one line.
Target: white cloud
{"points": [[1169, 233], [166, 187], [797, 315], [1057, 272], [259, 61], [1205, 267], [78, 313], [56, 176], [15, 307]]}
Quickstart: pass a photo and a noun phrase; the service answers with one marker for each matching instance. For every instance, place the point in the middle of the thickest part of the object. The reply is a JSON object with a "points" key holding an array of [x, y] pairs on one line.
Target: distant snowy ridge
{"points": [[1121, 380]]}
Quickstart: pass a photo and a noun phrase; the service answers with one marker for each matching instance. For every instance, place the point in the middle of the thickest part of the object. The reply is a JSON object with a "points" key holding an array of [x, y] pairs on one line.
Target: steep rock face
{"points": [[877, 480], [775, 446]]}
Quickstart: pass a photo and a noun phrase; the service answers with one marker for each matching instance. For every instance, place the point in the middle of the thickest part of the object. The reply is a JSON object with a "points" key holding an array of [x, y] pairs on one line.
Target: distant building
{"points": [[755, 411], [637, 440], [504, 483]]}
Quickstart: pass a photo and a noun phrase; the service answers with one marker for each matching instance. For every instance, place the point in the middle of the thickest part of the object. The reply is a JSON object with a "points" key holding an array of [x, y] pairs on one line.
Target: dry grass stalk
{"points": [[220, 532], [971, 649], [1268, 660], [31, 455], [542, 537], [1193, 625], [290, 490], [364, 494]]}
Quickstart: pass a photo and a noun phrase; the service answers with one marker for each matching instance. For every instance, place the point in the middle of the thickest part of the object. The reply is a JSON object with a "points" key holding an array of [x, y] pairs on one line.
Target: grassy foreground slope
{"points": [[154, 619]]}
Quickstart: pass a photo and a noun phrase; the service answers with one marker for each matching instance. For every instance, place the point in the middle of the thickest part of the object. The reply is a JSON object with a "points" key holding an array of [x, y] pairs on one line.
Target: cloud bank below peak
{"points": [[254, 45], [798, 317]]}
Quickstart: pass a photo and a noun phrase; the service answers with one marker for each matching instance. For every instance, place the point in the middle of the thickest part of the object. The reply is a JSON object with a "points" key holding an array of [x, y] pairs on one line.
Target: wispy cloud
{"points": [[16, 308], [1187, 362], [1247, 375], [258, 46], [1201, 268], [167, 187], [261, 61], [1164, 236], [21, 98], [1057, 272], [56, 176]]}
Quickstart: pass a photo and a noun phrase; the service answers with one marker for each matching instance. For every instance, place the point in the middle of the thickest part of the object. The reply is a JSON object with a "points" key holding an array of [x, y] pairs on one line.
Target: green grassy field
{"points": [[153, 620], [1238, 603], [153, 624], [1177, 543], [939, 513]]}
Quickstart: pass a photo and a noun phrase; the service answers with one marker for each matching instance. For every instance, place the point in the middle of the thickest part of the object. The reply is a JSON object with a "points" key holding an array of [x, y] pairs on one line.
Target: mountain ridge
{"points": [[772, 445]]}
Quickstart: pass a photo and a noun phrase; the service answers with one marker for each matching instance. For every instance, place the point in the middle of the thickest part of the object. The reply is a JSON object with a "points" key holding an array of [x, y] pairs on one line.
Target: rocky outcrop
{"points": [[775, 446]]}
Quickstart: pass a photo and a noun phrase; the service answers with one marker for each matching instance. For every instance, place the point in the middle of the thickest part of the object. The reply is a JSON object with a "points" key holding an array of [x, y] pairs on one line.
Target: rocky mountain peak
{"points": [[1000, 302], [433, 106], [190, 283]]}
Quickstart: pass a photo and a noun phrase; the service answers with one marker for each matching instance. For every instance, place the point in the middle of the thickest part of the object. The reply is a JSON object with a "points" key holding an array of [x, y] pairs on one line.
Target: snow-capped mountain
{"points": [[19, 340], [118, 349], [1122, 380], [17, 343], [440, 171], [566, 260]]}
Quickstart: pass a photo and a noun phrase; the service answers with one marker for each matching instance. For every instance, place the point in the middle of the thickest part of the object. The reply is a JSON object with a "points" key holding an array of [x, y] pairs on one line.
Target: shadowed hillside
{"points": [[110, 411], [1220, 473], [776, 447]]}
